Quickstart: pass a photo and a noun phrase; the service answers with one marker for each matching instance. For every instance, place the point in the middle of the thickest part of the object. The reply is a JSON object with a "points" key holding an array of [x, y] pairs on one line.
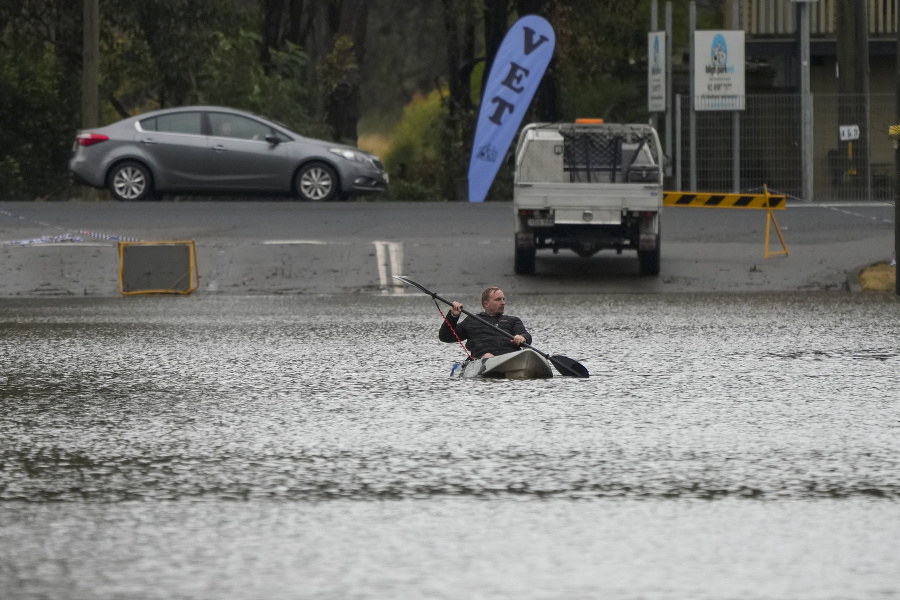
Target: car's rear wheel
{"points": [[316, 182], [130, 181]]}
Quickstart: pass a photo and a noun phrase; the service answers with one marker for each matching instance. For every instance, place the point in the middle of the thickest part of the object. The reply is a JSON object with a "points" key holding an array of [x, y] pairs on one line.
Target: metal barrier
{"points": [[764, 201]]}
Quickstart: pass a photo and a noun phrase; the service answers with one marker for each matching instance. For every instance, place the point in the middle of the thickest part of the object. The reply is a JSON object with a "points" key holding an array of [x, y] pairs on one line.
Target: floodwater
{"points": [[203, 447]]}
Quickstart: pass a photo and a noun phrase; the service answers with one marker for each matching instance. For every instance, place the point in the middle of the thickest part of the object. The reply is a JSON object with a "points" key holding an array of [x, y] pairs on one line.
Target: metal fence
{"points": [[770, 137]]}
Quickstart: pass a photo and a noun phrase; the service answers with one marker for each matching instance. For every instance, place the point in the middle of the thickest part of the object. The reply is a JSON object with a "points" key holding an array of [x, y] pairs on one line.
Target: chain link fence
{"points": [[770, 147]]}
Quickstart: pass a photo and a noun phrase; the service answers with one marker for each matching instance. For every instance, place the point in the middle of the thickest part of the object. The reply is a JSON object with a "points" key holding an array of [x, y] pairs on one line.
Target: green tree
{"points": [[333, 33], [235, 76], [405, 57], [154, 52], [38, 80]]}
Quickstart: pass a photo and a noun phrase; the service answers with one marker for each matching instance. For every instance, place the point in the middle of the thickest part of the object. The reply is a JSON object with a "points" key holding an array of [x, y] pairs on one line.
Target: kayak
{"points": [[524, 364]]}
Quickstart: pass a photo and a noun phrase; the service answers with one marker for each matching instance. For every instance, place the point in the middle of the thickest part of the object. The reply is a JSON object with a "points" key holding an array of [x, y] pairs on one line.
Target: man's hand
{"points": [[518, 340], [456, 309]]}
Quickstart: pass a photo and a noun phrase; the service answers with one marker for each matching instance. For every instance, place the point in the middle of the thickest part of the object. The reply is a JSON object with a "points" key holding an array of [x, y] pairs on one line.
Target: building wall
{"points": [[778, 17]]}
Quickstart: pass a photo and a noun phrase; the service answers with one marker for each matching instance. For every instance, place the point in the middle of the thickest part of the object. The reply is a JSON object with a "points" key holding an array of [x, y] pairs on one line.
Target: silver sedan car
{"points": [[210, 149]]}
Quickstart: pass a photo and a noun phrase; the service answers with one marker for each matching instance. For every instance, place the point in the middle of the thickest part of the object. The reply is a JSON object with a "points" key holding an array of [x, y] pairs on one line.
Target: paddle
{"points": [[565, 365]]}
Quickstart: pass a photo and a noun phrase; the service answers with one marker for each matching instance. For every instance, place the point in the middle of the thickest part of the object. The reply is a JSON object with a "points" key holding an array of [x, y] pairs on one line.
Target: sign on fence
{"points": [[719, 70]]}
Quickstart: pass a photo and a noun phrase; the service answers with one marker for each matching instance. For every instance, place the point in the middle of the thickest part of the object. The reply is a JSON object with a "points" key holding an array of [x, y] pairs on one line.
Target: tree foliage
{"points": [[416, 151], [234, 76], [334, 34], [166, 37], [37, 87]]}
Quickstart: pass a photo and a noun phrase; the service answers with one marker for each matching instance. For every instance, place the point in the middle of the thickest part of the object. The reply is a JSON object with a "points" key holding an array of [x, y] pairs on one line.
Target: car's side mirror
{"points": [[273, 139]]}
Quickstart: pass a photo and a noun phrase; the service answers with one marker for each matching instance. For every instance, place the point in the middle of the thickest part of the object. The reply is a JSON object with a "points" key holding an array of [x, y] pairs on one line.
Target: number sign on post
{"points": [[849, 133]]}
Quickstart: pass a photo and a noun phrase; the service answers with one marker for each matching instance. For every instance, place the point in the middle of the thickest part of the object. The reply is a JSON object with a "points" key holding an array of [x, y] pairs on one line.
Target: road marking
{"points": [[294, 243], [389, 256], [841, 205]]}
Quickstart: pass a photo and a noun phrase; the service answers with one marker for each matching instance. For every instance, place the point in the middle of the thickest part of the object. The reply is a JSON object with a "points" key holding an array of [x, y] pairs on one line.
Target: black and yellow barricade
{"points": [[157, 267], [765, 201]]}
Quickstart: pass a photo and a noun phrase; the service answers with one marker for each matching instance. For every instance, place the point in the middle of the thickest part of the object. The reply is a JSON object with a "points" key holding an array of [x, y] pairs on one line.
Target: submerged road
{"points": [[285, 247]]}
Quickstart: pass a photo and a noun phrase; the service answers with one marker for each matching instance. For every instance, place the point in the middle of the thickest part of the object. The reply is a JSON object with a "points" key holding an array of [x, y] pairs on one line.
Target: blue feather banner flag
{"points": [[514, 77]]}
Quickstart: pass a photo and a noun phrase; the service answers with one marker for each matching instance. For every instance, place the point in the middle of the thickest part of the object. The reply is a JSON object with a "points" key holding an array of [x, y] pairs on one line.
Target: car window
{"points": [[237, 126], [187, 122]]}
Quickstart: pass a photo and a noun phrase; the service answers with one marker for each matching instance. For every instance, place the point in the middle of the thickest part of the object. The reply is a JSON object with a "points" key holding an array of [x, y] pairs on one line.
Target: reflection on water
{"points": [[200, 438]]}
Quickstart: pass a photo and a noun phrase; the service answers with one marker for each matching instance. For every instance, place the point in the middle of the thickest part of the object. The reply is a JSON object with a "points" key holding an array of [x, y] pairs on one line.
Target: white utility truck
{"points": [[588, 186]]}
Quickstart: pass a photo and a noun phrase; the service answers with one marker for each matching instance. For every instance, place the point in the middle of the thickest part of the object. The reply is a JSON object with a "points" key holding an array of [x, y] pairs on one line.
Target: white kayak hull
{"points": [[524, 364]]}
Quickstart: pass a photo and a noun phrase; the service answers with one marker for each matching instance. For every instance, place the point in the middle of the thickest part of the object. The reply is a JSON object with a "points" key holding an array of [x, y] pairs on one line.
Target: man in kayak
{"points": [[483, 341]]}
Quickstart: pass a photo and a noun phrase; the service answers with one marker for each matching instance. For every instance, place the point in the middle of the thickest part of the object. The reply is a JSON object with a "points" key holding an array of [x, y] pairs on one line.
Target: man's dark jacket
{"points": [[480, 338]]}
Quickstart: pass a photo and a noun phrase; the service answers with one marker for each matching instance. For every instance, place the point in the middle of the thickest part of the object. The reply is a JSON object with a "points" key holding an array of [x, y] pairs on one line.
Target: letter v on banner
{"points": [[514, 77]]}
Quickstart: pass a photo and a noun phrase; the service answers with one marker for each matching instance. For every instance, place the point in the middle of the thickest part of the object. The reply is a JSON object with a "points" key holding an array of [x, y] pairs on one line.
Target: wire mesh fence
{"points": [[600, 153], [609, 154], [860, 168], [854, 168]]}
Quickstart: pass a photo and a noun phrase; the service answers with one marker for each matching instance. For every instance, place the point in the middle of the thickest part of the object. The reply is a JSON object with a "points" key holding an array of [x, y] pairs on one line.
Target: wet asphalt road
{"points": [[285, 247]]}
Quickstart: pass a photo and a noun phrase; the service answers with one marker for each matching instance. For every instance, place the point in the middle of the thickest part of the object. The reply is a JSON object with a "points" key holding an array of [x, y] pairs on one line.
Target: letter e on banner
{"points": [[514, 77]]}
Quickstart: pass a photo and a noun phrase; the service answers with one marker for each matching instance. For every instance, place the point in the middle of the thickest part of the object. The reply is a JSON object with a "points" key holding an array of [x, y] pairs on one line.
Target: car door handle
{"points": [[150, 141], [219, 148]]}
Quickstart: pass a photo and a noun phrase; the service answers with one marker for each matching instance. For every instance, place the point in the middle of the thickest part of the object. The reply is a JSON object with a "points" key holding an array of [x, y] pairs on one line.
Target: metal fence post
{"points": [[735, 119], [806, 106], [693, 118], [678, 142], [669, 87]]}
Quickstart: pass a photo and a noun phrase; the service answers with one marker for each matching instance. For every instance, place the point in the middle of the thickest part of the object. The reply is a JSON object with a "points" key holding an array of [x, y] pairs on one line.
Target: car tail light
{"points": [[89, 139]]}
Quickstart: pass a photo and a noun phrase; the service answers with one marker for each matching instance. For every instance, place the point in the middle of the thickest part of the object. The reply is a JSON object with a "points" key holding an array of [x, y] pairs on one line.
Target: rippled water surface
{"points": [[315, 447]]}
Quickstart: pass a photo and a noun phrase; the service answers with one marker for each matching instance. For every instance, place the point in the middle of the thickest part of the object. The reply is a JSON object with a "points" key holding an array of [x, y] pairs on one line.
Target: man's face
{"points": [[495, 304]]}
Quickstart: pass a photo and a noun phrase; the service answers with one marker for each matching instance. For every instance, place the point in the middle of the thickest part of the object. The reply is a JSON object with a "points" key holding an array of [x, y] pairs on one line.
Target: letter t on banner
{"points": [[514, 77]]}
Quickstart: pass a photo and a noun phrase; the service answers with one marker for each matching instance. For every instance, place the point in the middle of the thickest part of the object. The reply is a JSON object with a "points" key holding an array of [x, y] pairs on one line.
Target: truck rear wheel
{"points": [[525, 260], [650, 259]]}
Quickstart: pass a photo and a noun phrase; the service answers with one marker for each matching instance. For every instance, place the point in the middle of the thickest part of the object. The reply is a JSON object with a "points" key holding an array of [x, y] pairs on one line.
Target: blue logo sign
{"points": [[487, 153], [718, 56]]}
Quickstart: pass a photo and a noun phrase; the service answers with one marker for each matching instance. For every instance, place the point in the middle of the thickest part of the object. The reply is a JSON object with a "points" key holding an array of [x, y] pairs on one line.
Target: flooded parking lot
{"points": [[314, 447]]}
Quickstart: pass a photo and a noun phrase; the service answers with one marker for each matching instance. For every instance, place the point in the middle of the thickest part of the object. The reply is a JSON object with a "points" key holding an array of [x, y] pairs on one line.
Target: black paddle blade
{"points": [[409, 281], [568, 367]]}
